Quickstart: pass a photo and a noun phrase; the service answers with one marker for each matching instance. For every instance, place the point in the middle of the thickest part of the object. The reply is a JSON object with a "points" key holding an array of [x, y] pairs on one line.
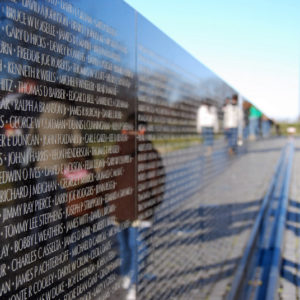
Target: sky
{"points": [[254, 45]]}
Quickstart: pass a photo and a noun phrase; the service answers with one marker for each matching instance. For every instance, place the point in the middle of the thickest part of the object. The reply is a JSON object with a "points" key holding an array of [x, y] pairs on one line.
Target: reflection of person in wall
{"points": [[265, 126], [254, 119], [246, 108], [13, 191], [24, 122], [226, 130], [207, 124], [58, 158], [233, 116], [125, 216], [127, 209]]}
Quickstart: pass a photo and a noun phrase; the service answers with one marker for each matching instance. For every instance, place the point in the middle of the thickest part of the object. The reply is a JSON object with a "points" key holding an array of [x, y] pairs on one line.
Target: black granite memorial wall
{"points": [[99, 149]]}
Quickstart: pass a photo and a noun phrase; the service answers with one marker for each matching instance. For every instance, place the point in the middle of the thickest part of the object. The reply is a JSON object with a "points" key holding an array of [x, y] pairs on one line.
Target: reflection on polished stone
{"points": [[99, 151]]}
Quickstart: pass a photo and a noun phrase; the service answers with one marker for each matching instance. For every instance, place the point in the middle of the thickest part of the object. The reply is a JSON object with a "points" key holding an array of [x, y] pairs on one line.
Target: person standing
{"points": [[265, 126], [246, 108], [133, 214], [254, 117], [207, 124], [233, 116]]}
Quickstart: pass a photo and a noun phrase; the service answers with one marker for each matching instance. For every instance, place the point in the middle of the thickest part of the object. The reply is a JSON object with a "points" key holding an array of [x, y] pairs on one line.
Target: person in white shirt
{"points": [[233, 117], [207, 123]]}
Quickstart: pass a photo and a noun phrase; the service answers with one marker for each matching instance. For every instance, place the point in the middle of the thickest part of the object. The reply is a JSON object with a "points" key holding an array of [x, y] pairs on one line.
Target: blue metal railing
{"points": [[260, 264]]}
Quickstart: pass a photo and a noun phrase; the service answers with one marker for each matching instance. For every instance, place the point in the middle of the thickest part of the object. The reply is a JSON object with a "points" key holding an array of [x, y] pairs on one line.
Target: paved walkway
{"points": [[196, 247], [290, 280]]}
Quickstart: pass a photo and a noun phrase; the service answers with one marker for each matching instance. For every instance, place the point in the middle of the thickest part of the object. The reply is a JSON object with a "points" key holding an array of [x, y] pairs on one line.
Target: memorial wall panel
{"points": [[100, 156]]}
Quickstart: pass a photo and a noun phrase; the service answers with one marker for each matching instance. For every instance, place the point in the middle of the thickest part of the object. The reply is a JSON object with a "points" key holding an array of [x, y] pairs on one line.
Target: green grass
{"points": [[284, 126], [169, 145]]}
